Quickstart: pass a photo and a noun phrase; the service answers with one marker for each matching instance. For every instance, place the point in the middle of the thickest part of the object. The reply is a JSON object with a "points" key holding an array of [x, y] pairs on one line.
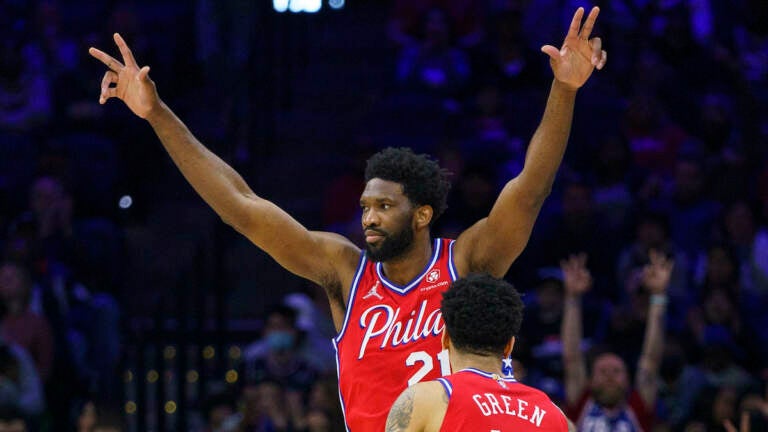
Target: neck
{"points": [[485, 363], [407, 266]]}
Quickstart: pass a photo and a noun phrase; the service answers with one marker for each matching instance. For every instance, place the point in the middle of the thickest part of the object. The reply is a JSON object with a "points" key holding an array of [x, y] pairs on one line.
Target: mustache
{"points": [[375, 230]]}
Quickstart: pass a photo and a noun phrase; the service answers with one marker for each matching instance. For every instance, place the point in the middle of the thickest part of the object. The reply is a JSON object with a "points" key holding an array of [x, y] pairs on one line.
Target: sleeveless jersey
{"points": [[390, 338], [483, 402]]}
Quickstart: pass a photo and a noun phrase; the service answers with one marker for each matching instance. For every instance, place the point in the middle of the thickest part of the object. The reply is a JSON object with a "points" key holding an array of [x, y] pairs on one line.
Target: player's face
{"points": [[387, 219], [609, 380]]}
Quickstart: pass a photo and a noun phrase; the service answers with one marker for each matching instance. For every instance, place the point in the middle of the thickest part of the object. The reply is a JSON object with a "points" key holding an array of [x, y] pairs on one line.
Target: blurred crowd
{"points": [[667, 153]]}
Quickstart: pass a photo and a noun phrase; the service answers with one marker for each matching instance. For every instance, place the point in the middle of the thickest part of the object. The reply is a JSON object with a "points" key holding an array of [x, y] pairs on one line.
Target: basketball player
{"points": [[482, 317], [389, 339]]}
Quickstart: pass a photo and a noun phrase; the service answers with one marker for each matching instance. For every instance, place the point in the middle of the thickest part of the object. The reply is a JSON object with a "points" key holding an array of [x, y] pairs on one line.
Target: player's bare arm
{"points": [[656, 277], [399, 419], [493, 243], [419, 408], [324, 258]]}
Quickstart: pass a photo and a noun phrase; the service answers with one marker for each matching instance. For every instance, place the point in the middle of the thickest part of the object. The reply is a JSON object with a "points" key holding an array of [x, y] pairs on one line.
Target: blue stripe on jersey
{"points": [[415, 282], [451, 265], [447, 385], [352, 292]]}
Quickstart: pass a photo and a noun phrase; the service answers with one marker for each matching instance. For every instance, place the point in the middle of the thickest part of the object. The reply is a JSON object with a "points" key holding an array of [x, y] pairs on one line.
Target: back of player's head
{"points": [[482, 314], [423, 181]]}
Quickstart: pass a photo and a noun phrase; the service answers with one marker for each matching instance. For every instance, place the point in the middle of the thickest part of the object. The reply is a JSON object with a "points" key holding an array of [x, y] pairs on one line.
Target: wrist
{"points": [[659, 299], [156, 111], [573, 300], [564, 87]]}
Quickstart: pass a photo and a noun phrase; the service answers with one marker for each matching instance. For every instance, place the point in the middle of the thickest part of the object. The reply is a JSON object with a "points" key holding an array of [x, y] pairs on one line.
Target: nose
{"points": [[370, 218]]}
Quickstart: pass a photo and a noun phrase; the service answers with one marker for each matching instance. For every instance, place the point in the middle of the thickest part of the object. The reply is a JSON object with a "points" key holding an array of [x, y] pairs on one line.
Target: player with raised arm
{"points": [[384, 344]]}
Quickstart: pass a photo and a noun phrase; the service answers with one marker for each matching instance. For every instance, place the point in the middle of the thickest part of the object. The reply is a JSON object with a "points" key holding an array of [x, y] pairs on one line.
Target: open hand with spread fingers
{"points": [[579, 55], [132, 84]]}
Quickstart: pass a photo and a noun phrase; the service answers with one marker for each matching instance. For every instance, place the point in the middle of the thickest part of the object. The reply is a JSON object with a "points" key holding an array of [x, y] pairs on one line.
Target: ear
{"points": [[445, 339], [423, 216], [508, 347]]}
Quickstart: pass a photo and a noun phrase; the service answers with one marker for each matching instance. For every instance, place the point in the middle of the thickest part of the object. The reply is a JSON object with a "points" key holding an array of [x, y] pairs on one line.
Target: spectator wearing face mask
{"points": [[276, 358]]}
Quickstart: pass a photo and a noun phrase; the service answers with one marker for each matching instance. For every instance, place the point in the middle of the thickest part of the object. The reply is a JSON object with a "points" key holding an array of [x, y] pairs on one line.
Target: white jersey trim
{"points": [[451, 265], [490, 375], [338, 375], [447, 385], [351, 299]]}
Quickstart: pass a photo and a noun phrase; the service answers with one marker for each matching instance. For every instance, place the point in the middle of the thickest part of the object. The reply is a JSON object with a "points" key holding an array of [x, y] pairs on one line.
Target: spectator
{"points": [[20, 325], [217, 409], [19, 383], [11, 420], [434, 65], [603, 400]]}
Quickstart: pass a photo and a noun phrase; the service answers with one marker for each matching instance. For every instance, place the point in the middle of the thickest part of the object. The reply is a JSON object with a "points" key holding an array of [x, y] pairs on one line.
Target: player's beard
{"points": [[392, 246]]}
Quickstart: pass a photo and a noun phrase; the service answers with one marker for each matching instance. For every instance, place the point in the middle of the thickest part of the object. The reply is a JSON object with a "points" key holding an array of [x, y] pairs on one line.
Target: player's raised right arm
{"points": [[307, 254]]}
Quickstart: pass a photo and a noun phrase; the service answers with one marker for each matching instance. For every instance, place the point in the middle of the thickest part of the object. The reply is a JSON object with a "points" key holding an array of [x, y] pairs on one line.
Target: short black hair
{"points": [[424, 182], [482, 313]]}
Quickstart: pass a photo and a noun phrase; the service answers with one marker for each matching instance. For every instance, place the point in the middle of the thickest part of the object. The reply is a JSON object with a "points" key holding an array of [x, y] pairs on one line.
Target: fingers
{"points": [[586, 30], [144, 73], [110, 77], [729, 427], [125, 51], [745, 421], [105, 58], [553, 52], [573, 30], [603, 59], [597, 49]]}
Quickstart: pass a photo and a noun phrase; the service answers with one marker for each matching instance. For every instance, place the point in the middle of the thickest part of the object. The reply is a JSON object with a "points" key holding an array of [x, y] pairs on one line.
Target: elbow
{"points": [[535, 194]]}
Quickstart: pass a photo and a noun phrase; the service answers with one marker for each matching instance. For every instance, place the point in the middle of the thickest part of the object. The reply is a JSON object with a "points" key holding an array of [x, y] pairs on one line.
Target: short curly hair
{"points": [[482, 313], [424, 182]]}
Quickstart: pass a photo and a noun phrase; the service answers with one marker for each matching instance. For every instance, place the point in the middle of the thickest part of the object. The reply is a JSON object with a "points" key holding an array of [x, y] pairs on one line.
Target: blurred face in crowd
{"points": [[550, 297], [45, 194], [610, 380], [577, 201], [688, 181], [13, 288], [87, 418], [740, 223], [279, 333], [651, 235], [436, 27], [387, 220], [718, 307], [16, 425], [720, 268], [724, 406], [219, 414]]}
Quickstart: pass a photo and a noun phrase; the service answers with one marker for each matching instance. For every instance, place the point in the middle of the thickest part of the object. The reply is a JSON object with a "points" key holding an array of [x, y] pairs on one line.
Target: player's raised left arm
{"points": [[493, 243]]}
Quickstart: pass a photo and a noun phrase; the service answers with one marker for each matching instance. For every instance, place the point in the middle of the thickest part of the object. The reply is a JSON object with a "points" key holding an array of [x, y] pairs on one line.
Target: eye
{"points": [[385, 206]]}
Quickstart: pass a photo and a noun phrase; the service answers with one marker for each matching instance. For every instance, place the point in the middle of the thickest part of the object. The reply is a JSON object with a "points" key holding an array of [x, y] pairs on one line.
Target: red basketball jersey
{"points": [[484, 402], [390, 338]]}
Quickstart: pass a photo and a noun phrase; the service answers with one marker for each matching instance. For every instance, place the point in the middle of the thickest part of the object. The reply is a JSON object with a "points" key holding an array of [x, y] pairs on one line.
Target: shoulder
{"points": [[343, 255], [417, 406]]}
